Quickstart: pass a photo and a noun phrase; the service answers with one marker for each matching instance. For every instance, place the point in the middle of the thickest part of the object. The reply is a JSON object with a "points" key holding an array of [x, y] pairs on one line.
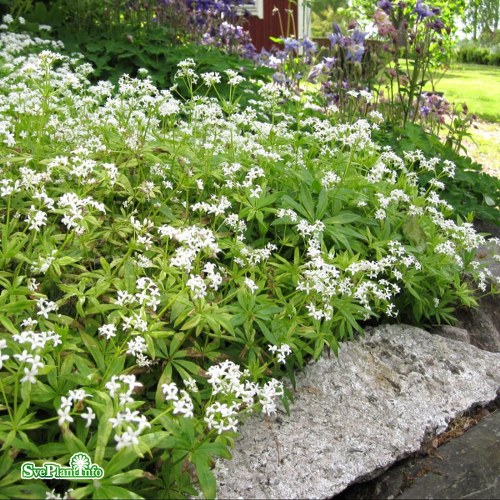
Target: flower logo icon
{"points": [[80, 461]]}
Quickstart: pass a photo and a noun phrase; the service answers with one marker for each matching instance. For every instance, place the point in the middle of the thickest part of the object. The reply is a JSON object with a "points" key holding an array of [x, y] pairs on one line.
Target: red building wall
{"points": [[261, 29]]}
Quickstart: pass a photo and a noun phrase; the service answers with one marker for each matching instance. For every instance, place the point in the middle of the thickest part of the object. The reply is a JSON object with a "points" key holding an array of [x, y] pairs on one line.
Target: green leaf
{"points": [[126, 477], [110, 491], [9, 326], [94, 348], [120, 460], [206, 477], [104, 428]]}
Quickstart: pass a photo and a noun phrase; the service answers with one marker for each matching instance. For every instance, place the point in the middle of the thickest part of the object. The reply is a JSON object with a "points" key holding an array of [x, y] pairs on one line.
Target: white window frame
{"points": [[255, 9]]}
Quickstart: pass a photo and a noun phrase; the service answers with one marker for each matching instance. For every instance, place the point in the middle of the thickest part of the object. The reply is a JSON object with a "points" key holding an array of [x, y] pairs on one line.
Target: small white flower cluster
{"points": [[211, 78], [251, 285], [194, 240], [186, 70], [75, 210], [313, 230], [222, 417], [147, 294], [227, 379], [449, 248], [128, 426], [198, 284], [123, 386], [233, 78], [38, 341], [66, 406], [181, 400], [236, 224], [45, 307], [330, 180], [254, 256], [218, 206], [282, 352], [283, 213], [52, 495], [386, 168]]}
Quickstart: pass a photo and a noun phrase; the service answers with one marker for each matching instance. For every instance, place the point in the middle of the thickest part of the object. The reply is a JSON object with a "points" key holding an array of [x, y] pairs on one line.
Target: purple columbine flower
{"points": [[329, 62], [355, 52], [291, 44], [334, 39], [423, 10], [309, 45], [385, 5], [279, 78], [425, 110], [437, 25], [358, 37]]}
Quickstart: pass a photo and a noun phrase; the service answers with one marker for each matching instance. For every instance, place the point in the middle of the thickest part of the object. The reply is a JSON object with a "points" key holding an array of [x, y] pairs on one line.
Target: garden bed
{"points": [[169, 255]]}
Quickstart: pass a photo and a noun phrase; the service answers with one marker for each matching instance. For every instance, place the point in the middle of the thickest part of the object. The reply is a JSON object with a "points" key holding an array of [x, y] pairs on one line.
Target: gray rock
{"points": [[355, 415], [480, 324], [467, 467], [453, 333]]}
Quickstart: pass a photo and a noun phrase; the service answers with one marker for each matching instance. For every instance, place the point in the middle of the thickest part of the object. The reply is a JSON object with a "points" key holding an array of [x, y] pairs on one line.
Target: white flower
{"points": [[35, 361], [170, 391], [36, 219], [64, 415], [330, 179], [190, 384], [24, 356], [136, 345], [108, 331], [29, 375], [251, 285], [3, 357], [283, 352], [127, 439], [211, 78], [45, 307], [89, 416], [197, 286], [184, 406]]}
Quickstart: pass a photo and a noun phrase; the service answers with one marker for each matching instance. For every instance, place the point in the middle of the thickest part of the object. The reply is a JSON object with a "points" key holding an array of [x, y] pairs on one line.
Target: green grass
{"points": [[477, 85]]}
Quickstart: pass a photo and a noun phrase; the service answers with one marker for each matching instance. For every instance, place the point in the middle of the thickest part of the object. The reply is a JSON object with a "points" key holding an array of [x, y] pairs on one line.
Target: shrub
{"points": [[164, 259], [475, 53]]}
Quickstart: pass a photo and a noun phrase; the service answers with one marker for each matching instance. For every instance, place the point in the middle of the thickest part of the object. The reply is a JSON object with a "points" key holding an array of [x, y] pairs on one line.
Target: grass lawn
{"points": [[475, 84]]}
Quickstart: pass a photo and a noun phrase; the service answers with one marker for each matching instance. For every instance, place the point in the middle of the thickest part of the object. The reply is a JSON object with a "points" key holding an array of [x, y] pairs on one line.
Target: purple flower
{"points": [[355, 52], [309, 45], [423, 10], [425, 110], [385, 5], [279, 78], [291, 44], [315, 72], [334, 39], [358, 37], [329, 62], [437, 25]]}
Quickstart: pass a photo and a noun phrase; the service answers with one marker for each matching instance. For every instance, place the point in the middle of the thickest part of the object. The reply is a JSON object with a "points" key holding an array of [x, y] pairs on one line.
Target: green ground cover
{"points": [[165, 260]]}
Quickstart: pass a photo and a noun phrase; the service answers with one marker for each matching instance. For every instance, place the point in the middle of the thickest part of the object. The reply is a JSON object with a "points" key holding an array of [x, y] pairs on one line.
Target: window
{"points": [[256, 8]]}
